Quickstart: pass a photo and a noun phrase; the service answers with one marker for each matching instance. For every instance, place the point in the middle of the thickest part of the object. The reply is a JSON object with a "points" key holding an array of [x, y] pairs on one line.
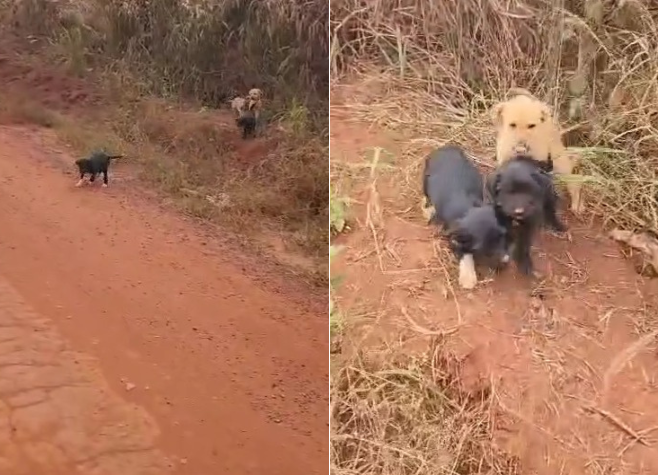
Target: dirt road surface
{"points": [[130, 343]]}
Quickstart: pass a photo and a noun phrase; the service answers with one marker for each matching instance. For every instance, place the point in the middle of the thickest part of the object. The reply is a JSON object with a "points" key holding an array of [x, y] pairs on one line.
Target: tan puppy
{"points": [[526, 126], [238, 105], [255, 101]]}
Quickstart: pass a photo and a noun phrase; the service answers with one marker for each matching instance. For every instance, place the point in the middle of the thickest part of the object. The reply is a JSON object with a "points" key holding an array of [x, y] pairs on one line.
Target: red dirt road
{"points": [[101, 290]]}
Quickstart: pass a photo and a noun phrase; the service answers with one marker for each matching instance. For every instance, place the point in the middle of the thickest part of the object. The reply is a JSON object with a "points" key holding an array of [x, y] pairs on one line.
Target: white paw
{"points": [[468, 279], [80, 183], [104, 185]]}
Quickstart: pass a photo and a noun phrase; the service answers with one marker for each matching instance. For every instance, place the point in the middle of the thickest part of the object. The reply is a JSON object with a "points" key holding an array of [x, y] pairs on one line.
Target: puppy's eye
{"points": [[513, 125], [532, 126]]}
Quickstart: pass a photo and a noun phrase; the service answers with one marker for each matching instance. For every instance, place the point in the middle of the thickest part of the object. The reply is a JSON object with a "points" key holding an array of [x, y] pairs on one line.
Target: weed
{"points": [[73, 49], [336, 320], [21, 109], [337, 213]]}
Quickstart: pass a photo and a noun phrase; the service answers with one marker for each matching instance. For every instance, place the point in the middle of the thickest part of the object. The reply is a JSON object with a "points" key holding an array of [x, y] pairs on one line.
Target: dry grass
{"points": [[440, 67], [205, 49], [409, 415], [21, 109], [166, 67], [282, 184], [430, 72]]}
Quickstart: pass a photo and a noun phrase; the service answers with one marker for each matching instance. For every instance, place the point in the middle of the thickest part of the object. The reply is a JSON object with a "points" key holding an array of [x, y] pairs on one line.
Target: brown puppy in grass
{"points": [[526, 126]]}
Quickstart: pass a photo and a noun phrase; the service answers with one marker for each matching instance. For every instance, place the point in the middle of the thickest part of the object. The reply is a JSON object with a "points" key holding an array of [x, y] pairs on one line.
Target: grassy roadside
{"points": [[153, 100]]}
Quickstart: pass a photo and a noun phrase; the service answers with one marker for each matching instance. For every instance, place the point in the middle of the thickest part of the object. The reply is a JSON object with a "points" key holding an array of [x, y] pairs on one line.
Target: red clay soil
{"points": [[573, 363], [230, 370]]}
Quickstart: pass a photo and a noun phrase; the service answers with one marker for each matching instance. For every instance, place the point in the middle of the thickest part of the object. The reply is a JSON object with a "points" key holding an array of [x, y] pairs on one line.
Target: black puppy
{"points": [[524, 197], [453, 186], [247, 122], [97, 162]]}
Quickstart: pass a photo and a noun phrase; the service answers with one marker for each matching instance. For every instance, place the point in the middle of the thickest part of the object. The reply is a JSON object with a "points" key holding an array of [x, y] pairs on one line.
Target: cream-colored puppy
{"points": [[255, 101], [525, 125], [238, 105]]}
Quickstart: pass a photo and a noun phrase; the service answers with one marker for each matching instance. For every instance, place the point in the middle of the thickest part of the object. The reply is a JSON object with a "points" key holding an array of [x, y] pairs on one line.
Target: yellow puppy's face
{"points": [[255, 94], [525, 126]]}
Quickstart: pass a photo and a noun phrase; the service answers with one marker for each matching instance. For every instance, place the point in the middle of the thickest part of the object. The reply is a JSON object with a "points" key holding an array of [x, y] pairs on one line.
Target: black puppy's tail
{"points": [[112, 157]]}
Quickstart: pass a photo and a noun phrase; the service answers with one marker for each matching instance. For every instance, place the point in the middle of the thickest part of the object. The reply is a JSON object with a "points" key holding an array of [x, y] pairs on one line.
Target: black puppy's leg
{"points": [[426, 205], [92, 178], [429, 213], [105, 180], [510, 234], [468, 278], [521, 252], [550, 212], [81, 181], [257, 125]]}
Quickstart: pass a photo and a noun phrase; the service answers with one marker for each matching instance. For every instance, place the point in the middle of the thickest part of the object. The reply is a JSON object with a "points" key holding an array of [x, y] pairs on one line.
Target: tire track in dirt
{"points": [[234, 372]]}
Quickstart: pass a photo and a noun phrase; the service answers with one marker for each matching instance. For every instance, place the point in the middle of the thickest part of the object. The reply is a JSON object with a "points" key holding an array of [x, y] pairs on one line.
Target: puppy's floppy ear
{"points": [[492, 186], [542, 179], [460, 240], [489, 183], [497, 114], [496, 185], [547, 166]]}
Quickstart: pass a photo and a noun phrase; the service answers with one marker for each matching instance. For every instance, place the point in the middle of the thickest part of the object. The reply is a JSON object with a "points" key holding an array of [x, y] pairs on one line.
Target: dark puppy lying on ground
{"points": [[97, 162], [247, 122], [524, 197], [453, 186]]}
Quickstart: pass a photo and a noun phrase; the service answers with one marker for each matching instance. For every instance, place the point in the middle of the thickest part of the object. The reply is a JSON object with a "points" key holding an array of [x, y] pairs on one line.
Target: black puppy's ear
{"points": [[547, 166], [541, 178], [459, 240], [492, 186]]}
